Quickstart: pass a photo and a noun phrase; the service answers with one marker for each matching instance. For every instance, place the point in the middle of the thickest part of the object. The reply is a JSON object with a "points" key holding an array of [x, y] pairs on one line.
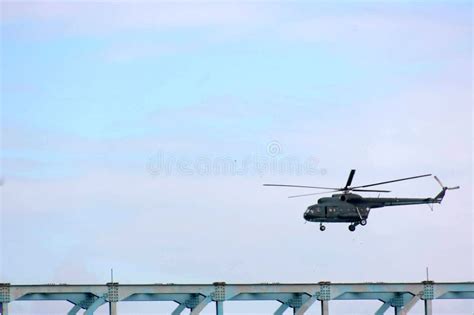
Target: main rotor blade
{"points": [[439, 182], [349, 180], [372, 190], [392, 181], [299, 186], [319, 193]]}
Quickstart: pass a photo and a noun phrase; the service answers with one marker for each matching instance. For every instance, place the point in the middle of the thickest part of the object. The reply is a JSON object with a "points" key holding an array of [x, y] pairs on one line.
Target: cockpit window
{"points": [[312, 210]]}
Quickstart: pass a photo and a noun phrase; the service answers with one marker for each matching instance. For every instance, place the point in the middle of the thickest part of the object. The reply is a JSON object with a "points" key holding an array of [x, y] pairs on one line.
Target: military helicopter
{"points": [[354, 209]]}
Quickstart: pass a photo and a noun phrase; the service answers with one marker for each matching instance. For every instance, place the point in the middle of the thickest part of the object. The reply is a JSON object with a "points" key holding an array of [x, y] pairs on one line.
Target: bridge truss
{"points": [[401, 297]]}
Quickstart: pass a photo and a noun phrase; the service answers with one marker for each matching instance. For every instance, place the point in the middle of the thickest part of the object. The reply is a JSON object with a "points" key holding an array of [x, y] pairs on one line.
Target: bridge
{"points": [[400, 297]]}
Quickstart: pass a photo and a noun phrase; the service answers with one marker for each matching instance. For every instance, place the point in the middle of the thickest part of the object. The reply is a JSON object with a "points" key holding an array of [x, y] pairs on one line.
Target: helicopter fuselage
{"points": [[354, 208]]}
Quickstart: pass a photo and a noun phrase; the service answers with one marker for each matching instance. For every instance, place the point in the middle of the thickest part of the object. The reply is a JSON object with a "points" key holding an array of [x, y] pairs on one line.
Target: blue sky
{"points": [[93, 92]]}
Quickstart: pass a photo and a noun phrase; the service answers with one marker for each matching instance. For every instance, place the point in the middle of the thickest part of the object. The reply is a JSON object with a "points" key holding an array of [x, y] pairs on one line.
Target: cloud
{"points": [[99, 18], [393, 30], [131, 51]]}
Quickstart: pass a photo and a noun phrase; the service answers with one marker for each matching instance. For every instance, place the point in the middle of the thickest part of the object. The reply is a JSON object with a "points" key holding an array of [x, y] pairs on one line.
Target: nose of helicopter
{"points": [[306, 214]]}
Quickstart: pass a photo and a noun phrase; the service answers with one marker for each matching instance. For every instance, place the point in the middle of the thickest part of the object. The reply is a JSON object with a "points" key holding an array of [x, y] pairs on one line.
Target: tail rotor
{"points": [[445, 187], [440, 196]]}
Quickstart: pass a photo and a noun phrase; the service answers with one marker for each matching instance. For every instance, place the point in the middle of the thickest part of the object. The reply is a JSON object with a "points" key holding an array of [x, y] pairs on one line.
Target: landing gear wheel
{"points": [[322, 227], [352, 227], [363, 222]]}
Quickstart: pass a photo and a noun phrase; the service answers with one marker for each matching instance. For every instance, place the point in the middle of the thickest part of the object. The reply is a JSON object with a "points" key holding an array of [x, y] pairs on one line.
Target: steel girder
{"points": [[299, 296]]}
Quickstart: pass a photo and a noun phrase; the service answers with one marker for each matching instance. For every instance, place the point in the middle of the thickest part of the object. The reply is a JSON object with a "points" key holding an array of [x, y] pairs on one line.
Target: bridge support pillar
{"points": [[219, 308], [112, 297], [283, 307], [383, 308], [73, 311], [428, 296], [178, 310], [94, 306], [324, 307], [428, 307], [324, 297], [3, 308], [397, 310], [112, 308], [4, 298]]}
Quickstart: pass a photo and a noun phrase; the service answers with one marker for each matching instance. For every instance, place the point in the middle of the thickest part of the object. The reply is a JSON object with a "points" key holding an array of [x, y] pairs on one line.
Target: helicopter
{"points": [[352, 208]]}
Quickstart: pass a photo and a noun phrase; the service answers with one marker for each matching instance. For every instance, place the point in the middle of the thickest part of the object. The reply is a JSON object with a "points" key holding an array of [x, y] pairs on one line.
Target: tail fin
{"points": [[439, 197]]}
